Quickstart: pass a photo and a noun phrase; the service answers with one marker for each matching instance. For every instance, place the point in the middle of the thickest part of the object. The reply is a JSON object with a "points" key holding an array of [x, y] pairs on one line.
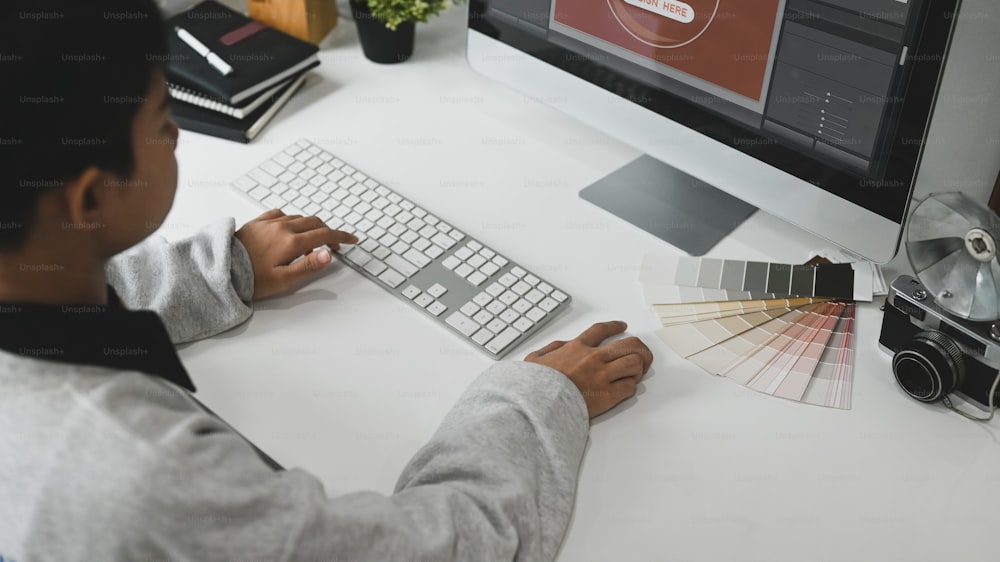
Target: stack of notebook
{"points": [[228, 75], [780, 329]]}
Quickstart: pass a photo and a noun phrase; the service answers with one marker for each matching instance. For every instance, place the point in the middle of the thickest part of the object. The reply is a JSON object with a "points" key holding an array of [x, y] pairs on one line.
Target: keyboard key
{"points": [[391, 278], [534, 296], [433, 252], [545, 288], [496, 307], [531, 280], [454, 233], [400, 247], [409, 236], [559, 296], [548, 305], [463, 253], [499, 260], [450, 262], [375, 267], [391, 210], [523, 324], [463, 270], [489, 269], [417, 258], [273, 201], [284, 159], [508, 298], [411, 292], [431, 220], [381, 252], [520, 287], [418, 212], [518, 272], [465, 325], [436, 308], [476, 260], [496, 289], [482, 336], [496, 325], [487, 253], [443, 227], [428, 231], [436, 290], [507, 279], [423, 300], [475, 246], [476, 278], [499, 343], [422, 244], [509, 316], [368, 245], [522, 306], [403, 266], [388, 240], [469, 308], [482, 299], [483, 317], [406, 205], [259, 193], [535, 314], [358, 256], [396, 229], [404, 217], [443, 240]]}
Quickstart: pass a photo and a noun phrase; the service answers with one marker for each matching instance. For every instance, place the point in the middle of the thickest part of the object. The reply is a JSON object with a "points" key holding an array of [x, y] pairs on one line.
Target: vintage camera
{"points": [[933, 352]]}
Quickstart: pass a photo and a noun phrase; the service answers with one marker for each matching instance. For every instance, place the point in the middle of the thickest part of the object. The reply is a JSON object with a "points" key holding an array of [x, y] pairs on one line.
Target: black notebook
{"points": [[260, 56], [211, 122]]}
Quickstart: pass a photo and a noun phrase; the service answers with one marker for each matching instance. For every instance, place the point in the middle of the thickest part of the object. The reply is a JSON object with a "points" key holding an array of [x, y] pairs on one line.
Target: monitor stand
{"points": [[669, 204]]}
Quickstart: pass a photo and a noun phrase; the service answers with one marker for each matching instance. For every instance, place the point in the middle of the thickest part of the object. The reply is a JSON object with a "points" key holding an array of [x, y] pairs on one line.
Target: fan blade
{"points": [[925, 253], [958, 280], [985, 303]]}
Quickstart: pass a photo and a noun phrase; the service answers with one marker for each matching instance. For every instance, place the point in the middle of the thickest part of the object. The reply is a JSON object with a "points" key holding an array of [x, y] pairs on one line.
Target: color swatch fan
{"points": [[780, 329]]}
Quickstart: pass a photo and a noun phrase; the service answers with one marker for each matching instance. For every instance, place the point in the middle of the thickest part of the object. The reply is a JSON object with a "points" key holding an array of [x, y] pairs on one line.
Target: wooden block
{"points": [[309, 20]]}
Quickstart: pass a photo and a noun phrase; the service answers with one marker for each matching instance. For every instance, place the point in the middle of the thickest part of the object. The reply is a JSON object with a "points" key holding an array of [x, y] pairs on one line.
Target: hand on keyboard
{"points": [[605, 374], [274, 240], [456, 281]]}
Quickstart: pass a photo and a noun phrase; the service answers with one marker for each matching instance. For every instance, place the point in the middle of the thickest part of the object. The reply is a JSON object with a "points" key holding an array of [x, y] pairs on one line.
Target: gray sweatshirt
{"points": [[107, 463]]}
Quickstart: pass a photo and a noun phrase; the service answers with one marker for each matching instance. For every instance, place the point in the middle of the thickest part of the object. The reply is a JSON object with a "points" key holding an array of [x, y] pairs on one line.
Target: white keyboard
{"points": [[457, 281]]}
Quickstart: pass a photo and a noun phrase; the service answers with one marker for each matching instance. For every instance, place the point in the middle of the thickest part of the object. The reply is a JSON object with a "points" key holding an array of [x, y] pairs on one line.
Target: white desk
{"points": [[345, 381]]}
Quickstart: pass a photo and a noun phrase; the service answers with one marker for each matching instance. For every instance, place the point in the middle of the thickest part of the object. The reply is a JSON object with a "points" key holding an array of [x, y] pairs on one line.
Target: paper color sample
{"points": [[688, 339], [832, 381], [720, 358], [800, 356], [735, 278], [684, 313]]}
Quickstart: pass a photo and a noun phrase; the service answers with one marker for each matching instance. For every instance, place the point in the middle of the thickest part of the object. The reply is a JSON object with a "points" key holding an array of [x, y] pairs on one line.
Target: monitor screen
{"points": [[836, 93]]}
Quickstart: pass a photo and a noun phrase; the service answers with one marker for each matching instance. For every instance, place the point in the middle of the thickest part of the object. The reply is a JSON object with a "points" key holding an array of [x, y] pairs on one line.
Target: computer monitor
{"points": [[815, 111]]}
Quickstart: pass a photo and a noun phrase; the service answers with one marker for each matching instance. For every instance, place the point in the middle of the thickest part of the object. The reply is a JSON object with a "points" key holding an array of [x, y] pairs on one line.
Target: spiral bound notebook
{"points": [[194, 97], [201, 120]]}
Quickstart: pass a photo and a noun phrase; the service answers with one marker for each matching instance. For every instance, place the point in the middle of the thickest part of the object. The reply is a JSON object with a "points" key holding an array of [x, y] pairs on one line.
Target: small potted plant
{"points": [[386, 27]]}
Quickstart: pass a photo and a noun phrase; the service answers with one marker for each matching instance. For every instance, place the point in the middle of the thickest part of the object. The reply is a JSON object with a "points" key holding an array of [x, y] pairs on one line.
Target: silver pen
{"points": [[213, 59]]}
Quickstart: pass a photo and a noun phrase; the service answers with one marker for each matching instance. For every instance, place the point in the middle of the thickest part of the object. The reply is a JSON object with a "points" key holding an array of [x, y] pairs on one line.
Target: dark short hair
{"points": [[73, 74]]}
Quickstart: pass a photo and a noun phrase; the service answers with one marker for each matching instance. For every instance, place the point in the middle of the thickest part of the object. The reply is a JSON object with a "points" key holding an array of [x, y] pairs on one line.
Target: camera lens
{"points": [[929, 366]]}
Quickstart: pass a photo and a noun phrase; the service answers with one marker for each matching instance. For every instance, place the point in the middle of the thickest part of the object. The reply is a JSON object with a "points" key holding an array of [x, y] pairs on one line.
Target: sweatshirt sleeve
{"points": [[495, 483], [200, 286]]}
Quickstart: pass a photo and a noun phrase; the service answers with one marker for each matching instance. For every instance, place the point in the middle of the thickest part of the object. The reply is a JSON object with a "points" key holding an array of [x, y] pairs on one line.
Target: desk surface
{"points": [[695, 468]]}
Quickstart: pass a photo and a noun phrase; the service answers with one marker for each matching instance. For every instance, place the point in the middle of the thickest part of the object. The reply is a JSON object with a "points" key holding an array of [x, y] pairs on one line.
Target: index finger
{"points": [[306, 241], [594, 335]]}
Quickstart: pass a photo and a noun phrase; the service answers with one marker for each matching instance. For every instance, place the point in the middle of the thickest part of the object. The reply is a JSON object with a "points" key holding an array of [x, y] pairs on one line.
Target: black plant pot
{"points": [[379, 43]]}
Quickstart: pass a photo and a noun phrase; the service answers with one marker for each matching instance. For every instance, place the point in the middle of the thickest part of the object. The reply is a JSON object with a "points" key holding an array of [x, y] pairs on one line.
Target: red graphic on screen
{"points": [[725, 42]]}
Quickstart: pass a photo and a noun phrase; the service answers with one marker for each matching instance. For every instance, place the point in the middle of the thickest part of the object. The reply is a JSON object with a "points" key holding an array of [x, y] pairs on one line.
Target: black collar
{"points": [[104, 336]]}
